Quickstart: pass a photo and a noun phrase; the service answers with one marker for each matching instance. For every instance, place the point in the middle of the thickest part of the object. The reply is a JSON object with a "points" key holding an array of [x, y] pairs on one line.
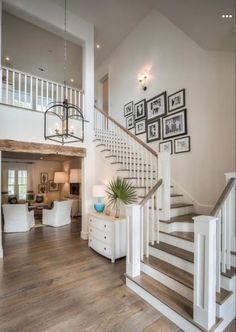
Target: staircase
{"points": [[193, 285]]}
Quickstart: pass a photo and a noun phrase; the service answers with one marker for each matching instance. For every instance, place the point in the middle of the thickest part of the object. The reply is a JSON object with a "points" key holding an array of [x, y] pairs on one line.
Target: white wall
{"points": [[174, 62]]}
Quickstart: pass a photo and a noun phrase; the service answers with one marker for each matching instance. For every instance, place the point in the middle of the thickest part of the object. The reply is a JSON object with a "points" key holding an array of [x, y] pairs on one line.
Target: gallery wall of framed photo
{"points": [[161, 118]]}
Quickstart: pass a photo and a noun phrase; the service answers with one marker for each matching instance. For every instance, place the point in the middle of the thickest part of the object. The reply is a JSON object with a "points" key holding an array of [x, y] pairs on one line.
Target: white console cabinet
{"points": [[107, 235]]}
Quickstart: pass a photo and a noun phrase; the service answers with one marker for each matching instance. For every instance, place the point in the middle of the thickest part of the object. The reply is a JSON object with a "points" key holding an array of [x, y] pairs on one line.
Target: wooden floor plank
{"points": [[51, 281]]}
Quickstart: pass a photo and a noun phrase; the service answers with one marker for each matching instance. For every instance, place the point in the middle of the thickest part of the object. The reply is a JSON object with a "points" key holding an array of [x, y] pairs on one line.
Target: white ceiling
{"points": [[114, 19], [35, 48]]}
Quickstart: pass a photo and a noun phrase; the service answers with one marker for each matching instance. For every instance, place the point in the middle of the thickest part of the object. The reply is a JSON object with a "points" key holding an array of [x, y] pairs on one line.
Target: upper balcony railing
{"points": [[32, 92]]}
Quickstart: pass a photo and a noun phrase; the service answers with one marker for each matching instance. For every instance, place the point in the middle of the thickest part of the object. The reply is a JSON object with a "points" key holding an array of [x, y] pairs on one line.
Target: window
{"points": [[17, 183]]}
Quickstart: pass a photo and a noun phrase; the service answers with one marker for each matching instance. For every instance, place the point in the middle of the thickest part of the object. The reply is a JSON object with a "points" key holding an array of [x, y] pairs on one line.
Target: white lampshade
{"points": [[75, 176], [99, 190], [59, 177]]}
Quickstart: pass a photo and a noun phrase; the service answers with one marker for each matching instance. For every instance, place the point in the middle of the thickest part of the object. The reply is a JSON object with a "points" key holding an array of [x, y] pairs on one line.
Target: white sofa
{"points": [[17, 218], [59, 215]]}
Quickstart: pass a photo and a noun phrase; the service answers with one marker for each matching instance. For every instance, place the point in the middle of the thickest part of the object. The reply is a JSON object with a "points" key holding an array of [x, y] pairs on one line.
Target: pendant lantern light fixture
{"points": [[63, 121]]}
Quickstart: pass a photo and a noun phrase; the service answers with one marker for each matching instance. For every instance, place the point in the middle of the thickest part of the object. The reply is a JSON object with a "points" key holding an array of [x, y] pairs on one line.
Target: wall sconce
{"points": [[143, 81]]}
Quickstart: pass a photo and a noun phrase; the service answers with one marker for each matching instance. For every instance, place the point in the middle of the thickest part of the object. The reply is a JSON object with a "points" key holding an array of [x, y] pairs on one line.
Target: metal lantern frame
{"points": [[69, 111]]}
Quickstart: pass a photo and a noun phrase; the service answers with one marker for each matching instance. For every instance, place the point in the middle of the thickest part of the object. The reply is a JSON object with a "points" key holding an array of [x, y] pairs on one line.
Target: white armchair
{"points": [[17, 218], [59, 215]]}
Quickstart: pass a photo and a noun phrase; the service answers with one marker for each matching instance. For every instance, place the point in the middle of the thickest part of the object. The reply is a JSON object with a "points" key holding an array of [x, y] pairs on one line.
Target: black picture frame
{"points": [[176, 101], [174, 125], [156, 107], [42, 188], [130, 122], [128, 108], [164, 149], [183, 149], [43, 178], [153, 131], [74, 189], [142, 123], [140, 110], [52, 186]]}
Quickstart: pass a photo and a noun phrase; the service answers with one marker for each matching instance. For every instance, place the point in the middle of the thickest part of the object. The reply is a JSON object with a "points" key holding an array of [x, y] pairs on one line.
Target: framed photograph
{"points": [[44, 178], [128, 108], [182, 144], [166, 147], [175, 124], [140, 127], [42, 188], [156, 107], [52, 186], [176, 100], [153, 131], [130, 122], [140, 110]]}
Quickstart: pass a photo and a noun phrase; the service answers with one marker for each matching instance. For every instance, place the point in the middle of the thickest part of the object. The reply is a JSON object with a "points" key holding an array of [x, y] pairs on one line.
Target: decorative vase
{"points": [[99, 207]]}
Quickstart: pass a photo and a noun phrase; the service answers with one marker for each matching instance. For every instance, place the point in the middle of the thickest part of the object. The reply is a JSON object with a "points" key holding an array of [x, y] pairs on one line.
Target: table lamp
{"points": [[99, 193]]}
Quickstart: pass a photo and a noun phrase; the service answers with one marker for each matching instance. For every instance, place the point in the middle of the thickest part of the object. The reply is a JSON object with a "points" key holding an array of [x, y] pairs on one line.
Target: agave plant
{"points": [[120, 191]]}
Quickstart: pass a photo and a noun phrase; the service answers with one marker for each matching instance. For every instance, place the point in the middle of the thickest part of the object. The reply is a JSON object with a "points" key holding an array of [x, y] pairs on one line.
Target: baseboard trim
{"points": [[84, 235]]}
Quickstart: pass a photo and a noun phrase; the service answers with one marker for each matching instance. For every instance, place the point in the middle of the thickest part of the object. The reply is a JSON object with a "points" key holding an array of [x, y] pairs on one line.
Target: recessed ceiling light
{"points": [[97, 46], [72, 80], [7, 58], [226, 16]]}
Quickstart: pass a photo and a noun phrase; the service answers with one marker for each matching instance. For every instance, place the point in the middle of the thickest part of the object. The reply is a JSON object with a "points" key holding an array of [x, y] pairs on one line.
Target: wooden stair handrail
{"points": [[223, 197], [128, 132], [150, 193]]}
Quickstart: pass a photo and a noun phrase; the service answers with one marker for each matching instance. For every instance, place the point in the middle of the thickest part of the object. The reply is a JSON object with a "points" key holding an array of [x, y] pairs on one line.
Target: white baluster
{"points": [[228, 231], [224, 238], [158, 215], [147, 229], [141, 234], [218, 252], [13, 88], [25, 96], [7, 85], [71, 100], [46, 93], [152, 219], [31, 92], [19, 89], [41, 95]]}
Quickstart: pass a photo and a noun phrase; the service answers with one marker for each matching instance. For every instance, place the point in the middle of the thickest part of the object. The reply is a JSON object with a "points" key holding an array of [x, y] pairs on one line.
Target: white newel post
{"points": [[232, 214], [133, 240], [204, 302], [164, 174]]}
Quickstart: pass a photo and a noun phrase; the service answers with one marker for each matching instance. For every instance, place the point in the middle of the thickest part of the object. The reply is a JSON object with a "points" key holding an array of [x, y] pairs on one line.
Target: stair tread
{"points": [[179, 205], [230, 273], [170, 270], [173, 300], [188, 236], [183, 218], [183, 277], [173, 250]]}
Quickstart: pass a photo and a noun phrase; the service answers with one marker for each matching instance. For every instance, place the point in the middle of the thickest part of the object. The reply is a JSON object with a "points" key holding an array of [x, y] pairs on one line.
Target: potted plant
{"points": [[120, 191]]}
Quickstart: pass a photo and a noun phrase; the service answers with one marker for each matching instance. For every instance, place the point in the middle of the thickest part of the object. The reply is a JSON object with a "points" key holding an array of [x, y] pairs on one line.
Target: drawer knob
{"points": [[90, 230], [105, 237], [105, 226], [105, 248]]}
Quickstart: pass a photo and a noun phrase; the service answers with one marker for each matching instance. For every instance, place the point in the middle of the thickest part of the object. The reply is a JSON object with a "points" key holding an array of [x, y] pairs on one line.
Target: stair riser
{"points": [[177, 242], [176, 227], [181, 211], [228, 284], [177, 199], [168, 281], [165, 310], [227, 308], [233, 260], [171, 259]]}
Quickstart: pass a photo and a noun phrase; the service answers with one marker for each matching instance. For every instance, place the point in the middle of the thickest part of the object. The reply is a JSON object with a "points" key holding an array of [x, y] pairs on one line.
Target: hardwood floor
{"points": [[51, 281]]}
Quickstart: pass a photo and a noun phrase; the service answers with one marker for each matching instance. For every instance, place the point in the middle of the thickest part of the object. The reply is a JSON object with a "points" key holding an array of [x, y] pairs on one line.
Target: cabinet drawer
{"points": [[100, 247], [100, 235], [100, 224]]}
